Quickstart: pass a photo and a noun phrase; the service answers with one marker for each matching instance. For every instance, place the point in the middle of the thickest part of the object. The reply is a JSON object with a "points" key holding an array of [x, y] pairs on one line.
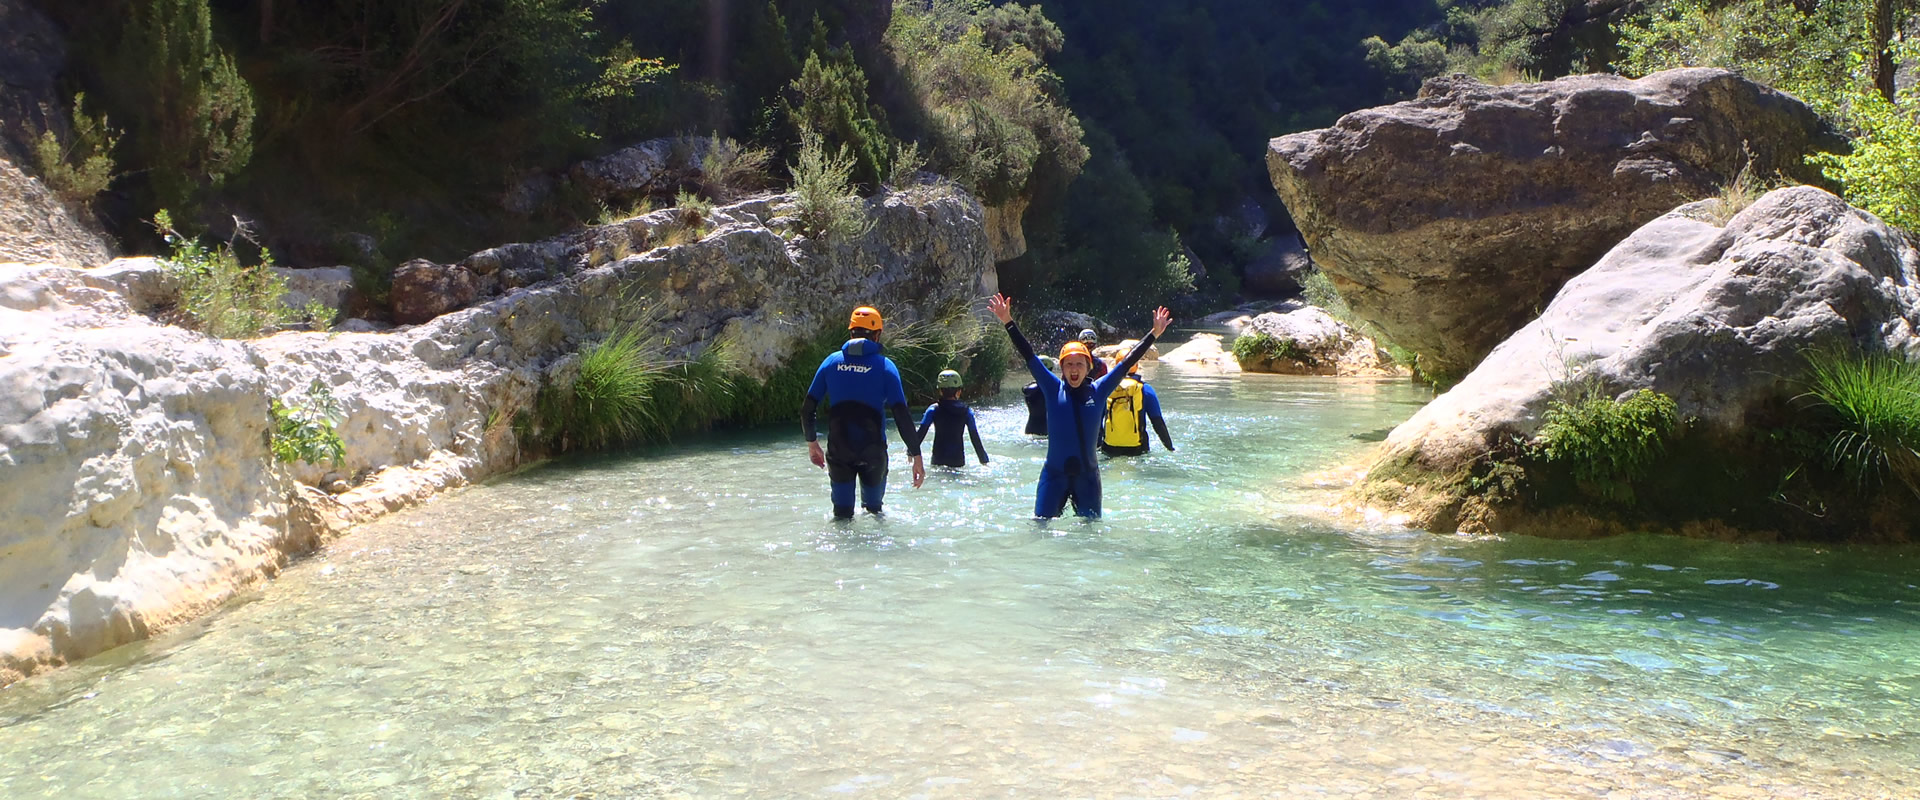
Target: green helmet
{"points": [[948, 379], [1052, 364]]}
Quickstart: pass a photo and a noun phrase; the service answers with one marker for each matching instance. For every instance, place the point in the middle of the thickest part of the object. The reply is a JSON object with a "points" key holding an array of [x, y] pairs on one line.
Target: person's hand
{"points": [[1161, 319], [816, 455], [919, 472], [1001, 307]]}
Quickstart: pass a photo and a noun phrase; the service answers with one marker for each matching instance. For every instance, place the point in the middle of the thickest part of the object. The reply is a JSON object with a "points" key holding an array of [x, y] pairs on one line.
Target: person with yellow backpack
{"points": [[1131, 407]]}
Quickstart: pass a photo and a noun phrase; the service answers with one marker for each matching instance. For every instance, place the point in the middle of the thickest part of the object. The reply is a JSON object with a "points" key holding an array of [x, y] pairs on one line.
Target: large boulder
{"points": [[1718, 318], [1451, 219], [423, 290], [1204, 351], [1308, 341], [652, 167]]}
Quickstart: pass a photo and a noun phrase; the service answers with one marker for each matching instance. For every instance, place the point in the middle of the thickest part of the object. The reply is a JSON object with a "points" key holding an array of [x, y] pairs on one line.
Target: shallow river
{"points": [[688, 622]]}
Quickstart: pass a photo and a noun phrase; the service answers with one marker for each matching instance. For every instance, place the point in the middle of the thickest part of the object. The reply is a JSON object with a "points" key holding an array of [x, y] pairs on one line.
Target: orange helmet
{"points": [[1071, 349], [864, 317]]}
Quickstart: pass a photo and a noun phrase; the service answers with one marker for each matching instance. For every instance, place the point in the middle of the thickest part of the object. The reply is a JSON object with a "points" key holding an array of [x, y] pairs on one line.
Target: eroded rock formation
{"points": [[1718, 318], [134, 466], [1450, 220]]}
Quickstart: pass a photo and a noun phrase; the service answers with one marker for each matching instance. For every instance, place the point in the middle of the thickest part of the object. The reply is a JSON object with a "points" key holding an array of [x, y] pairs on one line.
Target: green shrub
{"points": [[984, 98], [1882, 174], [832, 102], [1872, 405], [84, 167], [1256, 346], [194, 120], [1607, 444], [304, 427], [218, 295], [694, 209], [824, 203]]}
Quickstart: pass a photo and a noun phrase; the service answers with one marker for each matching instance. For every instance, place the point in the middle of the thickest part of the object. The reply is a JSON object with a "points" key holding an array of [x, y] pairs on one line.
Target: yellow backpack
{"points": [[1123, 416]]}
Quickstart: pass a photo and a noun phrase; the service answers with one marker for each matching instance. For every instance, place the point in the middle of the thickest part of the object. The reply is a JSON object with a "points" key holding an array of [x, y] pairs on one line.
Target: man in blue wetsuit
{"points": [[860, 385], [1075, 403]]}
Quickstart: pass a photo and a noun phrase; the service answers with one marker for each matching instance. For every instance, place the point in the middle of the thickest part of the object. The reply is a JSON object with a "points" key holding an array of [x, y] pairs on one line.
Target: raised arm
{"points": [[1002, 309], [1161, 318]]}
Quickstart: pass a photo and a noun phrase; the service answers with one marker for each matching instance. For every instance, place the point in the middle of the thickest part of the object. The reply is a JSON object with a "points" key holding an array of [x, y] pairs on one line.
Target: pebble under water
{"points": [[687, 621]]}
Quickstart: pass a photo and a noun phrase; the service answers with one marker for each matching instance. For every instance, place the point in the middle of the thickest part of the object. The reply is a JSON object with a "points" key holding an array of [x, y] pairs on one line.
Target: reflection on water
{"points": [[689, 622]]}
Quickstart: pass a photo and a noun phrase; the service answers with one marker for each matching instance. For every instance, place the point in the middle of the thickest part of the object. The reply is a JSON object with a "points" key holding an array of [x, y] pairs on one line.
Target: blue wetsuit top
{"points": [[1074, 413], [861, 385], [948, 418]]}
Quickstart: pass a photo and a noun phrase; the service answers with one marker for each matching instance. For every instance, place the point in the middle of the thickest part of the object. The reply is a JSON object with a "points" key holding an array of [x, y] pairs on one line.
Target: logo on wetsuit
{"points": [[854, 368]]}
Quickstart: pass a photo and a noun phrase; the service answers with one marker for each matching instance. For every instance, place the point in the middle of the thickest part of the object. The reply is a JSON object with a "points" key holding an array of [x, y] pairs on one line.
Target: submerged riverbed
{"points": [[689, 622]]}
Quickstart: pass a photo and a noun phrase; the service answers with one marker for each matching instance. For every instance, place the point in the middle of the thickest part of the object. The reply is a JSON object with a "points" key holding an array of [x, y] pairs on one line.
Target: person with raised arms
{"points": [[1075, 403]]}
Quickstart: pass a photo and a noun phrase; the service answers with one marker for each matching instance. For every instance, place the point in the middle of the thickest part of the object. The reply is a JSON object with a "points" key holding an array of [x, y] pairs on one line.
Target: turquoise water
{"points": [[687, 622]]}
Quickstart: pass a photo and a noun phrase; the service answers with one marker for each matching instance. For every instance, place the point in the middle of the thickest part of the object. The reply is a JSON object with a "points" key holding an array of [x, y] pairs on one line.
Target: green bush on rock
{"points": [[1606, 443], [221, 297], [1256, 346], [304, 427]]}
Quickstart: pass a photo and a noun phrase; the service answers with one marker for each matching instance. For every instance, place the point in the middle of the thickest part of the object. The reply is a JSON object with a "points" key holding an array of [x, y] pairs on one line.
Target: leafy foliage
{"points": [[832, 103], [193, 124], [83, 167], [1872, 407], [304, 427], [1256, 346], [985, 100], [1882, 174], [824, 203], [1802, 53], [219, 296], [1608, 443]]}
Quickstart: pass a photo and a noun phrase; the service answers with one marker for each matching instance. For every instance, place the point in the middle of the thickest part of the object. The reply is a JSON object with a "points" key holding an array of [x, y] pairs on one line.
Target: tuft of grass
{"points": [[1872, 406], [629, 392], [1738, 193], [694, 209], [219, 296], [1608, 444], [610, 214], [730, 171]]}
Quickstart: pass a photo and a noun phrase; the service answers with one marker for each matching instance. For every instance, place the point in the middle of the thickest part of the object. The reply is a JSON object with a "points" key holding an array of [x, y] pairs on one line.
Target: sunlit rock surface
{"points": [[135, 475]]}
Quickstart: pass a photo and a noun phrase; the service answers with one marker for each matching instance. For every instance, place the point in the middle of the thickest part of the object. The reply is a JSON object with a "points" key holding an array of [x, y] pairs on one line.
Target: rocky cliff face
{"points": [[1718, 318], [1450, 220], [134, 459]]}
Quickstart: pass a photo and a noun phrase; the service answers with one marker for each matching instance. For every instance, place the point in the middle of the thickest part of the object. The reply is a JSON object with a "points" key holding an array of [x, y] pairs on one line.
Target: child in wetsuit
{"points": [[947, 418]]}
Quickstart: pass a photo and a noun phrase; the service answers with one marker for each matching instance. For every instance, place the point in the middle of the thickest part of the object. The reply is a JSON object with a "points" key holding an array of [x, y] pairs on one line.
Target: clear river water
{"points": [[687, 621]]}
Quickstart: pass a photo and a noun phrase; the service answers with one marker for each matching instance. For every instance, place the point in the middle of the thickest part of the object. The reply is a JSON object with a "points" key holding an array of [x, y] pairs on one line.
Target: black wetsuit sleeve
{"points": [[1020, 343], [807, 408], [973, 430], [903, 419], [1160, 427]]}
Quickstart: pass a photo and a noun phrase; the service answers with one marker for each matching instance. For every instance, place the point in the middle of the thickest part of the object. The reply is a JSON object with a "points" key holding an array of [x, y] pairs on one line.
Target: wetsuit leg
{"points": [[1051, 499], [840, 476], [1086, 494], [873, 486]]}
